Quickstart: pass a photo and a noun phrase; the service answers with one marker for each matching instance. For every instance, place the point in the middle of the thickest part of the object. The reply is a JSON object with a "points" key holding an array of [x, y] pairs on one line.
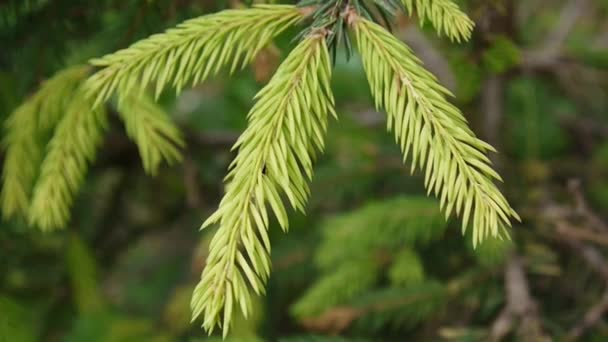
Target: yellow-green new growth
{"points": [[456, 167], [275, 156], [156, 136], [445, 16], [26, 130], [192, 51], [43, 190], [71, 149]]}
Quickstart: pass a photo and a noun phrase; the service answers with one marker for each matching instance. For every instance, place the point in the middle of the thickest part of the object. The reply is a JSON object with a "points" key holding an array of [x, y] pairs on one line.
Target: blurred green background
{"points": [[373, 259]]}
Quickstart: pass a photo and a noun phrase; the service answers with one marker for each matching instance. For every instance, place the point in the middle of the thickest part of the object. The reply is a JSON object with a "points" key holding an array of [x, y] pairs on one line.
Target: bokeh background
{"points": [[373, 259]]}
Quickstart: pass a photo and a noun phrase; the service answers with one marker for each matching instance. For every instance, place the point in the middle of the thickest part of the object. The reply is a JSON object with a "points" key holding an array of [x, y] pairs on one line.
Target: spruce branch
{"points": [[25, 138], [23, 154], [357, 246], [62, 104], [407, 268], [71, 148], [456, 167], [275, 156], [338, 287], [147, 124], [355, 234], [192, 51], [445, 16], [383, 308]]}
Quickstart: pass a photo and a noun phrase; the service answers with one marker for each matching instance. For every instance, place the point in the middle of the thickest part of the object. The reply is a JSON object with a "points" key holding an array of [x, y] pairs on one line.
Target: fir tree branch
{"points": [[275, 155], [344, 283], [191, 52], [457, 169], [354, 239], [407, 268], [23, 154], [26, 131], [445, 16], [71, 148], [384, 306], [156, 136], [356, 234]]}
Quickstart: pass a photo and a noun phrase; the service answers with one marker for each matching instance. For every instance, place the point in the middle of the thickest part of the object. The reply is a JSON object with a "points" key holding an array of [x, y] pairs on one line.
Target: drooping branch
{"points": [[456, 167], [275, 156]]}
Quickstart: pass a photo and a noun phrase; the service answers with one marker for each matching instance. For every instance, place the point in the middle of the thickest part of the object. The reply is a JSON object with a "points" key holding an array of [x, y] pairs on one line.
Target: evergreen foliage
{"points": [[407, 268], [393, 307], [418, 225], [455, 163], [82, 268], [373, 257], [344, 283], [156, 136], [15, 322], [24, 140], [275, 154], [42, 187], [70, 150], [444, 15], [191, 52], [376, 239]]}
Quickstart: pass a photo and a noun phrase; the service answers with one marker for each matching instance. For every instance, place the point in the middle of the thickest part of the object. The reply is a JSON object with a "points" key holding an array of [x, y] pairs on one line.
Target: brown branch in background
{"points": [[561, 217], [596, 261], [521, 308], [582, 208], [574, 76], [549, 53], [601, 41], [590, 254], [583, 234], [569, 15], [587, 132], [592, 317]]}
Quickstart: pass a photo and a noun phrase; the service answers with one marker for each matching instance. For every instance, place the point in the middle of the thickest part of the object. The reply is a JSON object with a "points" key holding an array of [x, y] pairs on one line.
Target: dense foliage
{"points": [[127, 152]]}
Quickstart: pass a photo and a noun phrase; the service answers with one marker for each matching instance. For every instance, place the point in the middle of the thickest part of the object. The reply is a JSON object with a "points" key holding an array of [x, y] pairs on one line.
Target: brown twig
{"points": [[592, 317], [596, 261], [550, 51], [520, 306], [583, 209], [561, 217], [521, 310], [583, 234]]}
